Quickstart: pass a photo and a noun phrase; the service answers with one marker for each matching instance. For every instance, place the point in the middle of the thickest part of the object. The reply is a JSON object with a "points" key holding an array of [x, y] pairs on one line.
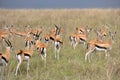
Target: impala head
{"points": [[88, 29], [112, 35], [28, 28], [106, 26]]}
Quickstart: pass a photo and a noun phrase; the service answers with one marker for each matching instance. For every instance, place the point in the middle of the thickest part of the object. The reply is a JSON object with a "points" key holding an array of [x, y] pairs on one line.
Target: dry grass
{"points": [[71, 65]]}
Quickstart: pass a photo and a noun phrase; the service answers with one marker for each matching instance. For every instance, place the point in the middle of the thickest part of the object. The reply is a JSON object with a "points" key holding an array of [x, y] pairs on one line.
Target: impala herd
{"points": [[32, 39]]}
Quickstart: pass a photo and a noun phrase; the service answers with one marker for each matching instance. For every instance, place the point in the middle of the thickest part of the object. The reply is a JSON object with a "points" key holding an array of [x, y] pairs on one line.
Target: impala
{"points": [[102, 33], [83, 30], [79, 37], [58, 42], [28, 41], [52, 34], [41, 47], [36, 33], [6, 56], [24, 55], [100, 46]]}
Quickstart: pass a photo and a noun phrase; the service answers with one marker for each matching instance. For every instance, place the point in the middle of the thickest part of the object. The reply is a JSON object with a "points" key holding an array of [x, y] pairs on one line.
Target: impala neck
{"points": [[31, 49], [8, 51]]}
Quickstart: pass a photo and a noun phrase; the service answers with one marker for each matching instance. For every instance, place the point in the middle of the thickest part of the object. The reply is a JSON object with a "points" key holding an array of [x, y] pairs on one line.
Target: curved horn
{"points": [[59, 31], [56, 26], [9, 43], [6, 41]]}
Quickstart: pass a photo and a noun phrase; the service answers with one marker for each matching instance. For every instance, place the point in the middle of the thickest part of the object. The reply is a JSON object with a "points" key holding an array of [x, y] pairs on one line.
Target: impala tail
{"points": [[87, 45]]}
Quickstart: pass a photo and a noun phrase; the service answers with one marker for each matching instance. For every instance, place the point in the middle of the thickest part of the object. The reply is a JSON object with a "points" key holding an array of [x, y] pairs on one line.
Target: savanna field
{"points": [[71, 65]]}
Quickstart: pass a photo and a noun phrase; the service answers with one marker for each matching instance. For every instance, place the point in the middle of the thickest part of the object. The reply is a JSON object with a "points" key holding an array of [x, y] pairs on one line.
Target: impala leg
{"points": [[74, 46], [45, 56], [55, 52], [28, 66], [107, 53], [45, 59], [58, 53], [0, 72], [19, 63], [42, 57], [87, 55]]}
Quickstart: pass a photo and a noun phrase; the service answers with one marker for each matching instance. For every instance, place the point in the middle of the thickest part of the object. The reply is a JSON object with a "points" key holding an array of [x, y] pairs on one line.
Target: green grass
{"points": [[71, 65]]}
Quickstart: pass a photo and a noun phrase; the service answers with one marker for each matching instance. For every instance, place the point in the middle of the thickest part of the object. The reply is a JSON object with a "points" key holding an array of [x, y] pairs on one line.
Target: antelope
{"points": [[4, 33], [102, 33], [24, 55], [53, 31], [6, 56], [21, 34], [28, 41], [51, 35], [100, 46], [83, 30], [58, 42], [41, 48], [14, 31], [36, 33], [81, 36], [32, 36]]}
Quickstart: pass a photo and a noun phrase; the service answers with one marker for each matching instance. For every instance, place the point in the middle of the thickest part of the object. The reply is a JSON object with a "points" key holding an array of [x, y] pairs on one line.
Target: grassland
{"points": [[71, 65]]}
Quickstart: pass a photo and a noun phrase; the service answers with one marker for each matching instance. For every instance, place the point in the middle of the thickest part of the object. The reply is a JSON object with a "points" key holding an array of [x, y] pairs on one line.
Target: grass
{"points": [[71, 65]]}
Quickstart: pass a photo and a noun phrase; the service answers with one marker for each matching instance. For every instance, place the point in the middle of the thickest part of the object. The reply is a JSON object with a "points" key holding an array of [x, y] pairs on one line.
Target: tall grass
{"points": [[71, 65]]}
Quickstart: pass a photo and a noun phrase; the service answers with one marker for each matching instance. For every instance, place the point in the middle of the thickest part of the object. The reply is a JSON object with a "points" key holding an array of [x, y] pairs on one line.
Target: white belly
{"points": [[26, 58], [100, 49]]}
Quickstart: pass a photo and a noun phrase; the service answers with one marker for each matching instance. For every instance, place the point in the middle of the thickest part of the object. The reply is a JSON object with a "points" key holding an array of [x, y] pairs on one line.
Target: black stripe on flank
{"points": [[27, 54], [20, 52], [4, 59], [82, 39], [100, 47], [52, 38]]}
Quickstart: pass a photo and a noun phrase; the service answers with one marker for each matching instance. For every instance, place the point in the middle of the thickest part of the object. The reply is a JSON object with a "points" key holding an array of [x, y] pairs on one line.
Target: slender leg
{"points": [[0, 72], [28, 66], [42, 57], [19, 70], [55, 53], [74, 46], [58, 53], [19, 63], [88, 54], [45, 59], [107, 53]]}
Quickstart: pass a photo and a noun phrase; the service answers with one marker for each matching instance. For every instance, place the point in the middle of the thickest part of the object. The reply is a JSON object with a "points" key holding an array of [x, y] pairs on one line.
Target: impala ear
{"points": [[76, 28]]}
